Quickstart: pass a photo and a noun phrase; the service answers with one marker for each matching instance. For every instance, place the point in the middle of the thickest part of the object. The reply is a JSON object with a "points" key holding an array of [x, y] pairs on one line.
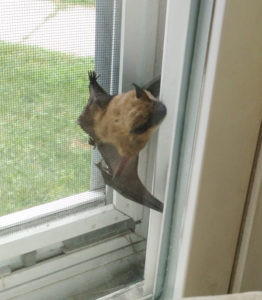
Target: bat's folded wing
{"points": [[128, 183]]}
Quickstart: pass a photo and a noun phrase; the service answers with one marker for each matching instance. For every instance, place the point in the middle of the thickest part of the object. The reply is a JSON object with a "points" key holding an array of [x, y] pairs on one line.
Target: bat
{"points": [[120, 126]]}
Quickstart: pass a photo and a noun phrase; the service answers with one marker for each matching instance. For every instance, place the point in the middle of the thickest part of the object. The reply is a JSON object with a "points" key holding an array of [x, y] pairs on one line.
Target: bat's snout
{"points": [[161, 110], [159, 113]]}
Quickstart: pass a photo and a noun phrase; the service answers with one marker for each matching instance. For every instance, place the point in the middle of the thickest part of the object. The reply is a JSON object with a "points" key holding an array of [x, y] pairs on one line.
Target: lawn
{"points": [[44, 155]]}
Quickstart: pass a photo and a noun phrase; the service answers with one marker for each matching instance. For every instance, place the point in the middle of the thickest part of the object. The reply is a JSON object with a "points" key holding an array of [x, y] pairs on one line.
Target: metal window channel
{"points": [[39, 236], [86, 271], [107, 55], [80, 253], [140, 61]]}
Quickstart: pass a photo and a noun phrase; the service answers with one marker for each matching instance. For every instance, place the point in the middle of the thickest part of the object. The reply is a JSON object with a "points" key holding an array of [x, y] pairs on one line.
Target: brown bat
{"points": [[120, 126]]}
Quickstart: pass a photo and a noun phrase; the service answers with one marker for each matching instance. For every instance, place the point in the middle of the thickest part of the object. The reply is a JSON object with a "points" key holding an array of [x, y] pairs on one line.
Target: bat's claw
{"points": [[92, 76], [91, 141], [103, 168]]}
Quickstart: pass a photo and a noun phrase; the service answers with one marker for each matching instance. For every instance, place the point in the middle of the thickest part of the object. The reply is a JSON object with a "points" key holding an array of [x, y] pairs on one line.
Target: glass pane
{"points": [[46, 50]]}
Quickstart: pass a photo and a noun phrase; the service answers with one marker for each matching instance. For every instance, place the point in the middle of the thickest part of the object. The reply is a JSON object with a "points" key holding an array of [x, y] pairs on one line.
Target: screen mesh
{"points": [[46, 50]]}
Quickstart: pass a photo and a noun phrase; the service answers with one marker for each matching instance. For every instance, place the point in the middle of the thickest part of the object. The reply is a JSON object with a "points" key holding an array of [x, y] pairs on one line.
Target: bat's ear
{"points": [[140, 93], [97, 93]]}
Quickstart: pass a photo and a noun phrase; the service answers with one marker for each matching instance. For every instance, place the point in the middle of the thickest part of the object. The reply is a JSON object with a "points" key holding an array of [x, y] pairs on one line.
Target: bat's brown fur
{"points": [[114, 124]]}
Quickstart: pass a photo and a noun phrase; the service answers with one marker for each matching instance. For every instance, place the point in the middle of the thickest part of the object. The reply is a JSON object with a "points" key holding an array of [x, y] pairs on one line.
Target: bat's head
{"points": [[149, 112], [126, 120]]}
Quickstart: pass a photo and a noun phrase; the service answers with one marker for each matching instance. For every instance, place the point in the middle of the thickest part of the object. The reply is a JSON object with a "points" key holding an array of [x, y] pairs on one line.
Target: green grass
{"points": [[44, 155]]}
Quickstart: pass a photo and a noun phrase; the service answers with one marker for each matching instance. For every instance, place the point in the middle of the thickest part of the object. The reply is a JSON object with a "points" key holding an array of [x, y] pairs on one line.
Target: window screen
{"points": [[46, 50]]}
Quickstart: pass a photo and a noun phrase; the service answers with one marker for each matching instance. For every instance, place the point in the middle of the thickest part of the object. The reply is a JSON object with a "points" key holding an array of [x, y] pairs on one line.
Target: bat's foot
{"points": [[92, 76], [103, 169], [91, 141]]}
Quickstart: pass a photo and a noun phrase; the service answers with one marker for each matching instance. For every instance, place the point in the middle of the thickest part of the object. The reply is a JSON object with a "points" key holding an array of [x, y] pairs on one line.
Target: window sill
{"points": [[58, 230], [95, 270], [50, 211]]}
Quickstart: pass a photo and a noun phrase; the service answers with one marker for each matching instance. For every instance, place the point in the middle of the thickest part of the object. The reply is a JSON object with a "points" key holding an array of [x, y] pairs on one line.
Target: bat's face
{"points": [[129, 120], [147, 111]]}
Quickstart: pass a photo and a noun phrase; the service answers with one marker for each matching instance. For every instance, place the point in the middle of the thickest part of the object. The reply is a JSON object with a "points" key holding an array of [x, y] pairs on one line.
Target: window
{"points": [[121, 248]]}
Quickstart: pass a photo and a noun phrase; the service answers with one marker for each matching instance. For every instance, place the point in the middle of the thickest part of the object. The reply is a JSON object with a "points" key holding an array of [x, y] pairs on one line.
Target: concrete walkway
{"points": [[41, 23]]}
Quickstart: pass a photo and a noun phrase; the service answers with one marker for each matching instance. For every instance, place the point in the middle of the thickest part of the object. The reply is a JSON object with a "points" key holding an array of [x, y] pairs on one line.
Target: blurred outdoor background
{"points": [[46, 50]]}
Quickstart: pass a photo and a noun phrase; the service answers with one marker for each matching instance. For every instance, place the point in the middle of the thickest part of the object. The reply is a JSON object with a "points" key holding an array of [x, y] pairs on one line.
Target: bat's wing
{"points": [[128, 183]]}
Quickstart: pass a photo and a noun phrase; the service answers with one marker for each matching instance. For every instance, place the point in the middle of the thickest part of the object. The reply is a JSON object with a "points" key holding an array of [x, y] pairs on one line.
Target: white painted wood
{"points": [[58, 230], [225, 144], [238, 296], [248, 271]]}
